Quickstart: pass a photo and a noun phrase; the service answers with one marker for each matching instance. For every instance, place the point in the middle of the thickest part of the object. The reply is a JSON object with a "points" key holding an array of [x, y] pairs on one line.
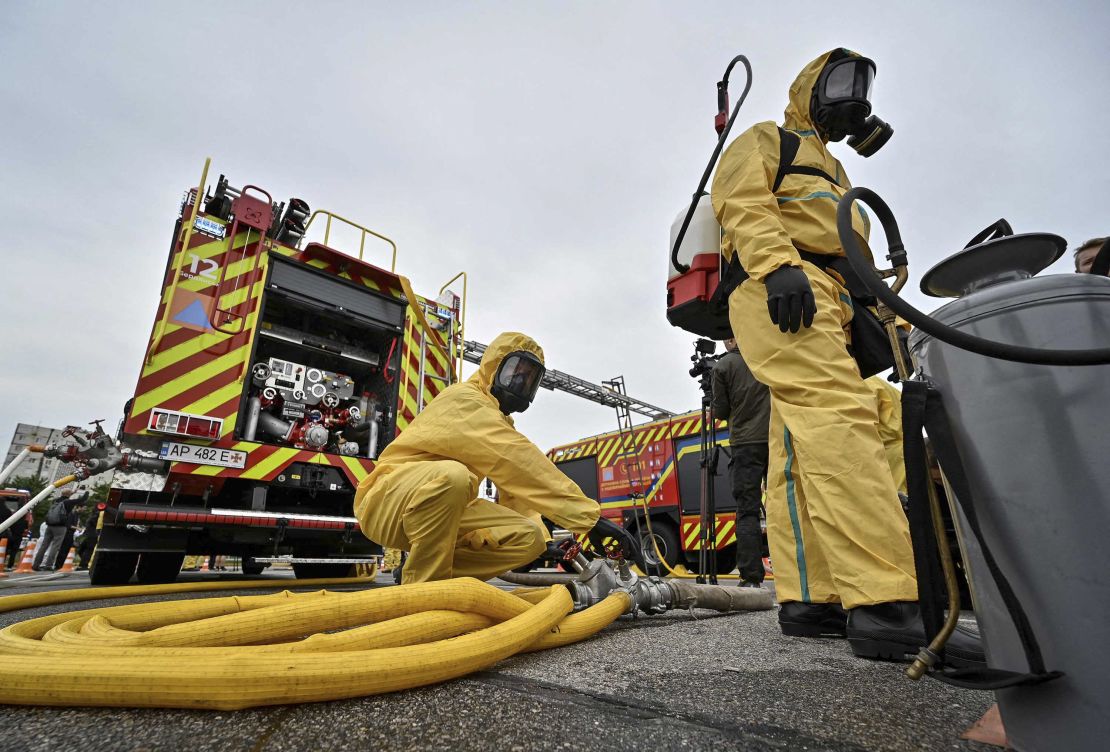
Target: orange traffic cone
{"points": [[3, 557], [68, 566], [204, 565], [27, 565]]}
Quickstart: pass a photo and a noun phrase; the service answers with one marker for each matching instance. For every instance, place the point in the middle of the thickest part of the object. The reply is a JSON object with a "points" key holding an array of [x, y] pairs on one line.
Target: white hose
{"points": [[43, 494], [13, 464]]}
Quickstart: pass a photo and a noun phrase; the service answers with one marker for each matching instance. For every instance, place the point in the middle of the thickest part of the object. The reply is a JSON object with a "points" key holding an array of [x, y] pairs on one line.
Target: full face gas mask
{"points": [[517, 380], [841, 104]]}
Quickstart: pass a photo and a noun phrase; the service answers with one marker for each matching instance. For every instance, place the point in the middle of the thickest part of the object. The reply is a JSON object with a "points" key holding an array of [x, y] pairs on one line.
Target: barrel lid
{"points": [[1004, 259]]}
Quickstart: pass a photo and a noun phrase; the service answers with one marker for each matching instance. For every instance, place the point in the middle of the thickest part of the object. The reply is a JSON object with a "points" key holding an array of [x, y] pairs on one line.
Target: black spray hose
{"points": [[896, 253], [722, 104]]}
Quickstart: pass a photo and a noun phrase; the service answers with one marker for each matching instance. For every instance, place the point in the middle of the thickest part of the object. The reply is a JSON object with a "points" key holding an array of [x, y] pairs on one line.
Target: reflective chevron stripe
{"points": [[725, 534]]}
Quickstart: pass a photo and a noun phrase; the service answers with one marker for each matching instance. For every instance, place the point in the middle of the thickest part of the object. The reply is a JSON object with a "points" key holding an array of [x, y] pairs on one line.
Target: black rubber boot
{"points": [[894, 632], [397, 569], [797, 619]]}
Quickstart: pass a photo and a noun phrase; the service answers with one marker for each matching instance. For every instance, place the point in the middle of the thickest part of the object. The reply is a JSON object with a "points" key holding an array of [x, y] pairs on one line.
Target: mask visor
{"points": [[850, 78], [520, 375]]}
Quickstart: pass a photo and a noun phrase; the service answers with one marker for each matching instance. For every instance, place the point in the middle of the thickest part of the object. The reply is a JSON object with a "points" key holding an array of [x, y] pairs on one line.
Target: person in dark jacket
{"points": [[87, 544], [746, 405], [9, 505], [55, 544], [76, 509]]}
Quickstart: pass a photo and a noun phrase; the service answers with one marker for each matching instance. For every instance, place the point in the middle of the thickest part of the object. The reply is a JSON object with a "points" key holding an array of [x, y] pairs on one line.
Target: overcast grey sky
{"points": [[544, 147]]}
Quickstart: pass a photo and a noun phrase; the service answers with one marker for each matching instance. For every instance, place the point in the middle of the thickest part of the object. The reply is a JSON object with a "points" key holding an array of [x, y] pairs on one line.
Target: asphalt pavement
{"points": [[682, 680]]}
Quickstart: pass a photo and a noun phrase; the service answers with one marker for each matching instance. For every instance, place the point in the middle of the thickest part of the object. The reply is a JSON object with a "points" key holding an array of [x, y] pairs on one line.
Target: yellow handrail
{"points": [[362, 238], [462, 319], [177, 267], [414, 306]]}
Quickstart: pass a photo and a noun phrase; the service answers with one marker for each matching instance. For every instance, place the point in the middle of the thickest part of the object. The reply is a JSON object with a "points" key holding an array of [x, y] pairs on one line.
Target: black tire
{"points": [[158, 567], [252, 567], [666, 537], [113, 567], [314, 571]]}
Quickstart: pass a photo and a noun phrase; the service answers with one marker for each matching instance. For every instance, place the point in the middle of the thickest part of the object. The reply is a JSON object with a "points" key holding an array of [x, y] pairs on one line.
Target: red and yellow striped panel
{"points": [[725, 533], [418, 346], [197, 371], [608, 446]]}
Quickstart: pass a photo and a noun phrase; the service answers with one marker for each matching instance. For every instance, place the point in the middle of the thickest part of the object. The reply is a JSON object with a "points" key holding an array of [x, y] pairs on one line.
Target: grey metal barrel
{"points": [[1034, 442]]}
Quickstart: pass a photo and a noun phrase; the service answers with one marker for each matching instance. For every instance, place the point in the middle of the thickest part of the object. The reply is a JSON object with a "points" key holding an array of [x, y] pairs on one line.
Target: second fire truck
{"points": [[657, 465]]}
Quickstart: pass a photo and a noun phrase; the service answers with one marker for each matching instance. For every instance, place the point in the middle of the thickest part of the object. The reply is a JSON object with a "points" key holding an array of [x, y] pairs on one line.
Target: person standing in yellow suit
{"points": [[422, 496], [838, 536], [888, 407]]}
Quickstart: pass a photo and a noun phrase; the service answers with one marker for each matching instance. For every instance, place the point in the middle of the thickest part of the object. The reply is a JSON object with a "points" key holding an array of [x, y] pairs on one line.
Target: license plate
{"points": [[200, 455]]}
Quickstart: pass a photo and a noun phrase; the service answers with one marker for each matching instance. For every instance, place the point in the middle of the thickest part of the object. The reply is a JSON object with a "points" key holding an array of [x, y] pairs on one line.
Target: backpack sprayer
{"points": [[1022, 470], [696, 300]]}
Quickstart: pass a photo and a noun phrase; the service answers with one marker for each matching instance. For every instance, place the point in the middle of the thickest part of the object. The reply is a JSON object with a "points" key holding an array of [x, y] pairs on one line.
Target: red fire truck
{"points": [[663, 471], [277, 369]]}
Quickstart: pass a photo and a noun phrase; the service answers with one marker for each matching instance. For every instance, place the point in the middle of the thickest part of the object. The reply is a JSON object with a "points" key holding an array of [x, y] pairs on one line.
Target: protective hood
{"points": [[502, 345], [801, 92]]}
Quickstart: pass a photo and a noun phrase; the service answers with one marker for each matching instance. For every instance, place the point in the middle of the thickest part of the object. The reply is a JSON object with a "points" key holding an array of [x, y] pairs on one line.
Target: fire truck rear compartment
{"points": [[323, 370]]}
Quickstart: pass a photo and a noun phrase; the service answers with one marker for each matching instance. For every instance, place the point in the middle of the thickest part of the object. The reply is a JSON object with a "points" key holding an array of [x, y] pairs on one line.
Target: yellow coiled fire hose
{"points": [[237, 652]]}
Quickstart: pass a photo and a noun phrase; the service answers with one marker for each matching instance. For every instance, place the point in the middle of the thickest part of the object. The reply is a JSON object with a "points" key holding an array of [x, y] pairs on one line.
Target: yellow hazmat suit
{"points": [[422, 496], [836, 530], [888, 401]]}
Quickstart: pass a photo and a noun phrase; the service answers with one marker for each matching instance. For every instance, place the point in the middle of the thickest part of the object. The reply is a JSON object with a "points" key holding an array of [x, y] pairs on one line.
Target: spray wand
{"points": [[722, 126]]}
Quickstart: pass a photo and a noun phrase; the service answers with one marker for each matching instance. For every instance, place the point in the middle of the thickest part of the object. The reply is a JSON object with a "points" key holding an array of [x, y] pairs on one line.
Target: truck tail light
{"points": [[184, 424]]}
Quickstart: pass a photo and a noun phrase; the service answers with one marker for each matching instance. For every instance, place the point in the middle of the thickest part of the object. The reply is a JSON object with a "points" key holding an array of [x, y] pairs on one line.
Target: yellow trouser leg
{"points": [[889, 404], [417, 507], [801, 571], [842, 484], [494, 539], [429, 510]]}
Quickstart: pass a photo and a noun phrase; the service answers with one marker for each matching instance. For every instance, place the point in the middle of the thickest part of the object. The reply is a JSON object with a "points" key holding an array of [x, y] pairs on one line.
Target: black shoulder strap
{"points": [[923, 407], [789, 142], [788, 149]]}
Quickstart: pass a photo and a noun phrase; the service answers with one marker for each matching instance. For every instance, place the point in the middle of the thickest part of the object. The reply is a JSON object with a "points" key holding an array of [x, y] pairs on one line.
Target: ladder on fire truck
{"points": [[628, 452], [603, 394]]}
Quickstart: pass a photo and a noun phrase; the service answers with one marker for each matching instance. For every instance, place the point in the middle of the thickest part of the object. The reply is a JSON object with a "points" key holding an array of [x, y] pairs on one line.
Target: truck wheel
{"points": [[666, 537], [313, 571], [112, 567], [158, 567], [250, 566]]}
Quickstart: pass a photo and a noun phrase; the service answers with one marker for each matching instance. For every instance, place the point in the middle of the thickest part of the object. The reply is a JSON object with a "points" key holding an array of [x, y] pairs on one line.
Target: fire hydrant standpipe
{"points": [[247, 651]]}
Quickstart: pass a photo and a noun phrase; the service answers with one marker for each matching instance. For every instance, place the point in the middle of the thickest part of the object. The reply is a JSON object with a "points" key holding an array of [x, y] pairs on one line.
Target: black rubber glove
{"points": [[606, 528], [790, 298], [555, 551]]}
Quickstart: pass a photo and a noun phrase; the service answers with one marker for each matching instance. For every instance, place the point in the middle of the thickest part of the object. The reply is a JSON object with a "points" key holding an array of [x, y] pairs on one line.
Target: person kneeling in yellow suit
{"points": [[422, 496]]}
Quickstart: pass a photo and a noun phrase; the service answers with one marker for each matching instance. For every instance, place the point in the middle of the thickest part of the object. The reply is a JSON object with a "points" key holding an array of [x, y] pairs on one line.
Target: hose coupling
{"points": [[133, 463], [924, 661], [652, 595], [596, 579]]}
